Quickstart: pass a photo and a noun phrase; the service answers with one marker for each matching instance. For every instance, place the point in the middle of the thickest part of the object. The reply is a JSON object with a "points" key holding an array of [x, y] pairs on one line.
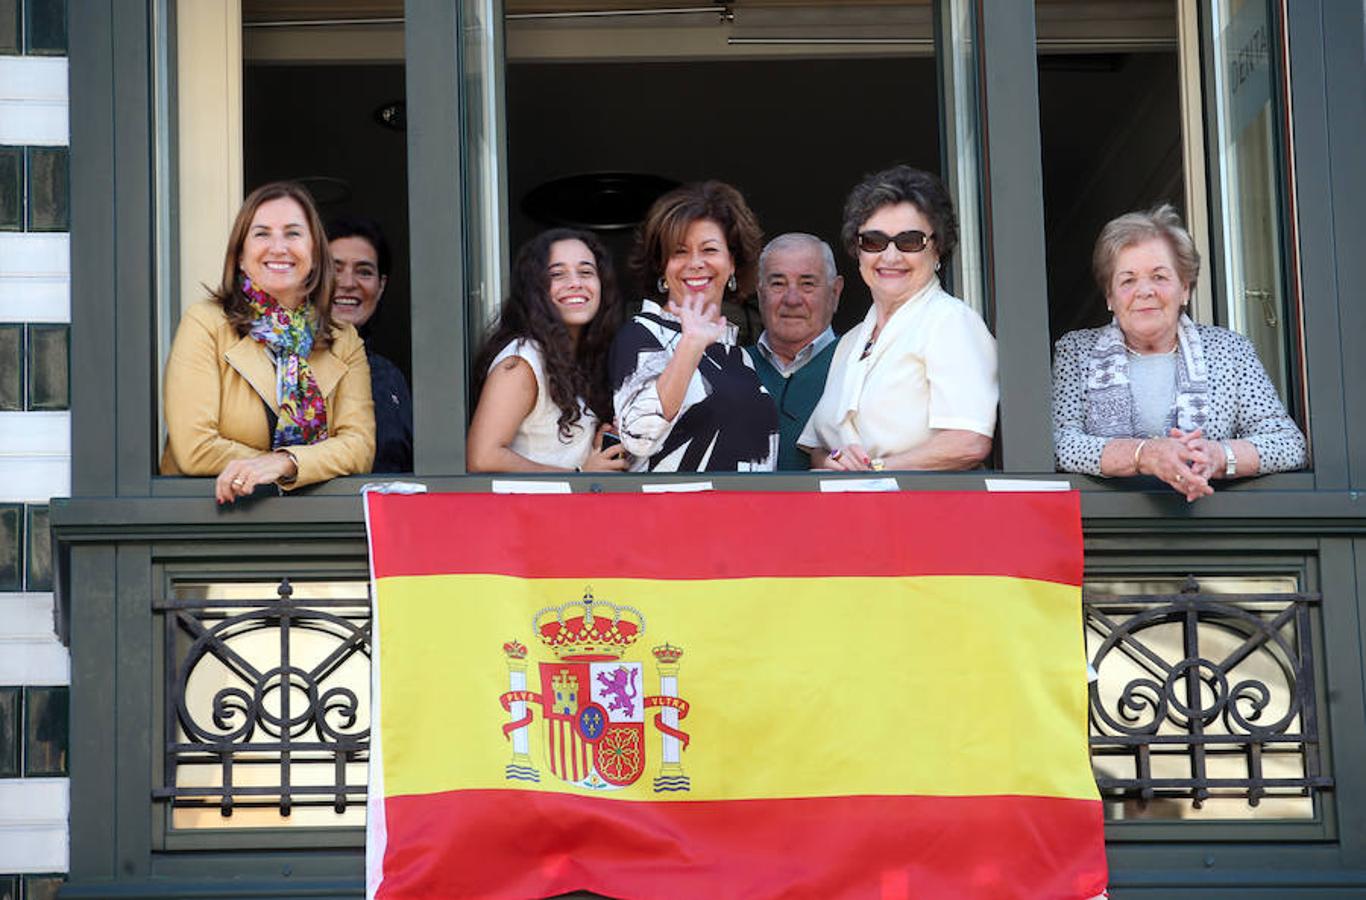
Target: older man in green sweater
{"points": [[799, 290]]}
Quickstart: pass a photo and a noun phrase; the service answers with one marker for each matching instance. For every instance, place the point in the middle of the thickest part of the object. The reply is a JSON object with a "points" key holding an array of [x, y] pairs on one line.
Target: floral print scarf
{"points": [[288, 338]]}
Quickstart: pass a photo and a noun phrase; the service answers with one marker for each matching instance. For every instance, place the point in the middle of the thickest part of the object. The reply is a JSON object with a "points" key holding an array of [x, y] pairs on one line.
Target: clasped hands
{"points": [[1186, 460]]}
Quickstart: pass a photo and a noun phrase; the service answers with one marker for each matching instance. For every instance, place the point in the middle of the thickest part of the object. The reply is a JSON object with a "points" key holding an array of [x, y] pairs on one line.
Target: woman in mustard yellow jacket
{"points": [[262, 387]]}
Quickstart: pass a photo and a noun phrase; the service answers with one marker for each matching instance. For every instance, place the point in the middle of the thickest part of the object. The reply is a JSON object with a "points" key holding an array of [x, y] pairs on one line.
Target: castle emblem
{"points": [[593, 707]]}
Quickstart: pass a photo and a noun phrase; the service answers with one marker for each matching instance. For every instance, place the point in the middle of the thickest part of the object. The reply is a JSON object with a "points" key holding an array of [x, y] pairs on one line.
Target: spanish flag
{"points": [[722, 695]]}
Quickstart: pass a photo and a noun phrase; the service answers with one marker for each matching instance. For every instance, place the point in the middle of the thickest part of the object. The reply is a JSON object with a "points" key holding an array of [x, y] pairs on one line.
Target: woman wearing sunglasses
{"points": [[914, 386]]}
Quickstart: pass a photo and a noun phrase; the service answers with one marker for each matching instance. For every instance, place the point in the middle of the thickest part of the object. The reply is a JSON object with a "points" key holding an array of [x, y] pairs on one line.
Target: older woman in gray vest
{"points": [[1153, 393]]}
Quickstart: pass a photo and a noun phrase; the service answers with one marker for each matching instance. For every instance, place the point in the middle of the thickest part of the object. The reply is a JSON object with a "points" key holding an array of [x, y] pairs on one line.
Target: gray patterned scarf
{"points": [[1109, 403]]}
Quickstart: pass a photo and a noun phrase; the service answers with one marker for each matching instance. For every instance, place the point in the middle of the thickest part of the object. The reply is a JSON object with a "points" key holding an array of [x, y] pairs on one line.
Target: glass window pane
{"points": [[49, 191], [11, 188], [1250, 182], [42, 887], [342, 135], [11, 546], [9, 887], [757, 84], [1111, 134], [45, 27], [958, 67], [38, 572], [9, 30], [486, 162], [9, 734], [11, 366], [49, 375], [46, 731]]}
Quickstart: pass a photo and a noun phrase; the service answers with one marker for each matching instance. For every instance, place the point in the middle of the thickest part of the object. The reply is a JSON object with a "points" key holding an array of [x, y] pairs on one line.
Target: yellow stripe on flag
{"points": [[928, 702]]}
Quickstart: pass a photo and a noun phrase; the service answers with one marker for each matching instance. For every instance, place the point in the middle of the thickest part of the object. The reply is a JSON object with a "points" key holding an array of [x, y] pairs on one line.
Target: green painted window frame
{"points": [[115, 343]]}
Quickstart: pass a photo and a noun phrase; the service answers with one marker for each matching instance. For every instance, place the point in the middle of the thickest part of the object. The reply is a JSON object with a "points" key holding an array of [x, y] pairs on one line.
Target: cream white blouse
{"points": [[538, 438], [932, 367]]}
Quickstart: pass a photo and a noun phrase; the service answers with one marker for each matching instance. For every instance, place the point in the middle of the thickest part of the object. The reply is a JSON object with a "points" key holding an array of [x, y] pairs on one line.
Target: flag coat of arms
{"points": [[730, 695]]}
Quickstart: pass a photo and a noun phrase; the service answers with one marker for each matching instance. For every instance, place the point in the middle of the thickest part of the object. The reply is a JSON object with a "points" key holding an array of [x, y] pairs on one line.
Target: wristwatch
{"points": [[1230, 461]]}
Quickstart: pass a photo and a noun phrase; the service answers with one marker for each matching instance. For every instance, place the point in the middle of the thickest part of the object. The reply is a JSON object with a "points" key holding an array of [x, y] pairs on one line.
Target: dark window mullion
{"points": [[1017, 287], [436, 225]]}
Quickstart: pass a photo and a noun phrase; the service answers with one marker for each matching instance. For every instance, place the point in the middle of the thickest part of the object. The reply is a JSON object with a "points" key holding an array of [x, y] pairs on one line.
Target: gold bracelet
{"points": [[1138, 450]]}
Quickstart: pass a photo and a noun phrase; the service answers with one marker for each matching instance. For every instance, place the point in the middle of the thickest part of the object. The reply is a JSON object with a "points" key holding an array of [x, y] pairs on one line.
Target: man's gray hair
{"points": [[791, 241]]}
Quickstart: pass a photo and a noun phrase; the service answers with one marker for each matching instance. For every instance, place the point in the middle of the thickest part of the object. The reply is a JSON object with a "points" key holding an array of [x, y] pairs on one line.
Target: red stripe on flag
{"points": [[515, 844], [729, 535]]}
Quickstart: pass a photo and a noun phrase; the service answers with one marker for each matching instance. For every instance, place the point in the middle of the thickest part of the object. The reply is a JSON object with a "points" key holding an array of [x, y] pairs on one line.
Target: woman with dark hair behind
{"points": [[541, 376], [914, 386], [361, 257], [262, 386], [686, 394]]}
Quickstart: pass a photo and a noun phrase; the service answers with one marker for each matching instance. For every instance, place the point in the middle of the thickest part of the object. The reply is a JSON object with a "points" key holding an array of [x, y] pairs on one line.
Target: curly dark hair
{"points": [[318, 286], [572, 371], [668, 221], [902, 184]]}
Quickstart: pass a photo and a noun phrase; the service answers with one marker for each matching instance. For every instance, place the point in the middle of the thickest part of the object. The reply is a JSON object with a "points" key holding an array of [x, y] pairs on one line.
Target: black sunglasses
{"points": [[906, 241]]}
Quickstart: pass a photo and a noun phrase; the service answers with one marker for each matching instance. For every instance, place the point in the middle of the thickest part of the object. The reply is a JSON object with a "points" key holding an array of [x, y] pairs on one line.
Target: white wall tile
{"points": [[34, 123], [34, 479], [33, 825], [40, 433], [35, 277], [34, 662], [33, 101], [26, 616], [30, 653], [33, 78]]}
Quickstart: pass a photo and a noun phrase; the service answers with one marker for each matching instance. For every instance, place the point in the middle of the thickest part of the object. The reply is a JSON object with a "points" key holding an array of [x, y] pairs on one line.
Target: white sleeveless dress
{"points": [[538, 438]]}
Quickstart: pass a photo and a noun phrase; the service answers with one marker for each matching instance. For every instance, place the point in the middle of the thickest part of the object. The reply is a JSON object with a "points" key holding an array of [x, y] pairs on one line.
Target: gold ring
{"points": [[1180, 479]]}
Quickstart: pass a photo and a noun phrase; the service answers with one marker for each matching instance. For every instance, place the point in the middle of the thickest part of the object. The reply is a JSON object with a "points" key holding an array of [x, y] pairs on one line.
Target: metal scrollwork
{"points": [[263, 687], [1189, 678]]}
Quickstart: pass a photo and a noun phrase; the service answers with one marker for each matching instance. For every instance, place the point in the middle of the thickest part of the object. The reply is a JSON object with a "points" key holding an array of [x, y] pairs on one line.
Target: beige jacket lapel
{"points": [[327, 371], [254, 364]]}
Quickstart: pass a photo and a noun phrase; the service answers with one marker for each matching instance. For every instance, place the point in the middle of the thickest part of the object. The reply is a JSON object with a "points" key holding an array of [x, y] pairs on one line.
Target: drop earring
{"points": [[662, 286], [730, 283]]}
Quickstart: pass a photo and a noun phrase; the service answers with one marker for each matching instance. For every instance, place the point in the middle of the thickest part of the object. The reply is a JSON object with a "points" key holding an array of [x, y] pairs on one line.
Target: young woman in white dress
{"points": [[541, 376]]}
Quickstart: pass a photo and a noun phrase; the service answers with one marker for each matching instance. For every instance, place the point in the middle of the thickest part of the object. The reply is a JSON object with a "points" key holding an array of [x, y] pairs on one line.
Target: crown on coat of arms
{"points": [[515, 650], [667, 653], [588, 628]]}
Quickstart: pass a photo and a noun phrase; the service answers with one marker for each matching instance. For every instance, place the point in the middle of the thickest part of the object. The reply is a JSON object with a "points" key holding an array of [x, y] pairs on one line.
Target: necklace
{"points": [[1139, 353]]}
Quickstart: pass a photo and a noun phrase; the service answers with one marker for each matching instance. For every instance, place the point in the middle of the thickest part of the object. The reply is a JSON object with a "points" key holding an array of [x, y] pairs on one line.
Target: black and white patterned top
{"points": [[1242, 403], [727, 422]]}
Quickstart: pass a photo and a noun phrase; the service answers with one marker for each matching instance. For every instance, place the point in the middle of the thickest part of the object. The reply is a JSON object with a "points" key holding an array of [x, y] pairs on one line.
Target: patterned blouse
{"points": [[1243, 403], [727, 422]]}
